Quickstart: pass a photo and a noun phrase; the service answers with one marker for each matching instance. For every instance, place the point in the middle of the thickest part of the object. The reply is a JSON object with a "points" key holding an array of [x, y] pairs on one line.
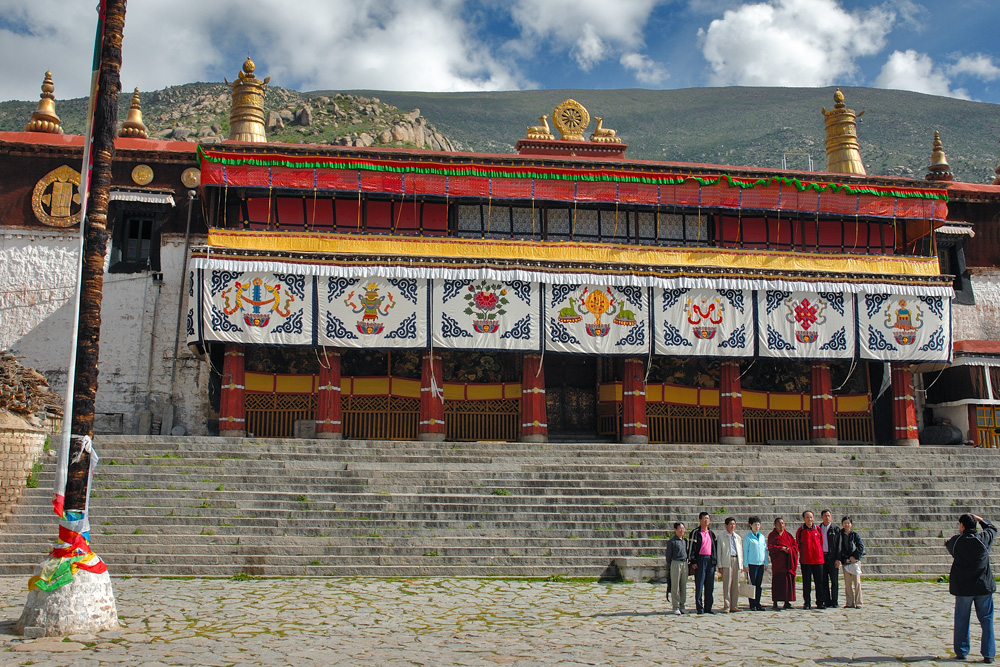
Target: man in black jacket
{"points": [[971, 582], [827, 589], [703, 552]]}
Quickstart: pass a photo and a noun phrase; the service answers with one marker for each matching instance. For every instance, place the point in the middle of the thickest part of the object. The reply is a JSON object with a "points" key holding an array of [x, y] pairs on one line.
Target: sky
{"points": [[940, 48]]}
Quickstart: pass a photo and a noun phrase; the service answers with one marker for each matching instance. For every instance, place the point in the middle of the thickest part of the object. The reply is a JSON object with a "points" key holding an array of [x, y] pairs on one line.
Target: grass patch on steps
{"points": [[32, 481]]}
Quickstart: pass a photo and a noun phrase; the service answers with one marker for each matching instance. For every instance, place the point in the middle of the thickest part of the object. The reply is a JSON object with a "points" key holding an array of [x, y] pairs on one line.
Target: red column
{"points": [[634, 425], [232, 406], [821, 406], [328, 422], [904, 411], [731, 429], [431, 427], [534, 427]]}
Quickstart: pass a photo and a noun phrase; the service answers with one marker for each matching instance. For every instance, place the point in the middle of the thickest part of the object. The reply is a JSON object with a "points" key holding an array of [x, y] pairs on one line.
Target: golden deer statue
{"points": [[541, 131], [603, 134]]}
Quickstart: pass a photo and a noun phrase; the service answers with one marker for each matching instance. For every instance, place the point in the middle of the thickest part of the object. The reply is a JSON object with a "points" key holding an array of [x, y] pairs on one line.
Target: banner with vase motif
{"points": [[805, 325], [596, 319], [374, 312], [692, 322], [896, 327], [257, 308], [485, 314]]}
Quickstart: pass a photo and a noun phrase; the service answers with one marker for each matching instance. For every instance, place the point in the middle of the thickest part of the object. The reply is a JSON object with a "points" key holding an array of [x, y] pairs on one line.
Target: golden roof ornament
{"points": [[843, 154], [571, 119], [541, 131], [133, 125], [246, 117], [44, 118], [604, 135], [939, 170]]}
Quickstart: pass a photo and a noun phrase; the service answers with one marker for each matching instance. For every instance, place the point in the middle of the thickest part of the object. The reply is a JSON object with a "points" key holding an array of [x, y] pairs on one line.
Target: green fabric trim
{"points": [[737, 182]]}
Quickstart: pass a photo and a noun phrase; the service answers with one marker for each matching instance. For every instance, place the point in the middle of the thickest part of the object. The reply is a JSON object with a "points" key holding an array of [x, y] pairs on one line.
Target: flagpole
{"points": [[65, 435]]}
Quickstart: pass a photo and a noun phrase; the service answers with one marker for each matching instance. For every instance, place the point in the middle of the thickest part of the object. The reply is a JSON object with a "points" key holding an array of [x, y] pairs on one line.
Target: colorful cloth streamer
{"points": [[71, 553]]}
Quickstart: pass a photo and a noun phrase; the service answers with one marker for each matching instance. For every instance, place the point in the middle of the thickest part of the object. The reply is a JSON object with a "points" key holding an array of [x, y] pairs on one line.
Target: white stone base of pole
{"points": [[84, 606]]}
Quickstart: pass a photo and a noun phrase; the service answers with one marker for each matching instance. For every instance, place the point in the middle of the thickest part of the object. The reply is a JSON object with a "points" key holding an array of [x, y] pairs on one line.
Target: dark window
{"points": [[135, 244], [955, 384], [951, 260]]}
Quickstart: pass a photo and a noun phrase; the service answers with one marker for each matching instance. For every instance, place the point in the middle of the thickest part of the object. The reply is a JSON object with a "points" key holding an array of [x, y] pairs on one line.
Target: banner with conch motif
{"points": [[596, 319], [486, 314], [896, 327], [691, 322], [372, 312], [805, 325], [257, 308]]}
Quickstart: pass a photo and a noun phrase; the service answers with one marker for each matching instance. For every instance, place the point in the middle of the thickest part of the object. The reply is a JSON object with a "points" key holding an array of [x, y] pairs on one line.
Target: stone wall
{"points": [[20, 447], [982, 320]]}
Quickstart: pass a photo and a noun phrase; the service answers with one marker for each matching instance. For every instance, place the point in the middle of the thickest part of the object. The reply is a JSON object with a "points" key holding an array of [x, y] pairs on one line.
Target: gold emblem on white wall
{"points": [[56, 198]]}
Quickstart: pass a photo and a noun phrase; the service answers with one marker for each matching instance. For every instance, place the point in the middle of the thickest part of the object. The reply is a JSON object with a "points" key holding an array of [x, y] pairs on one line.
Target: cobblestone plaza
{"points": [[477, 622]]}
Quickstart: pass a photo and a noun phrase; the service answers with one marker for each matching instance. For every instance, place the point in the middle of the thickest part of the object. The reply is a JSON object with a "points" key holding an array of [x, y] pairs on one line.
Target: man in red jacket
{"points": [[810, 541]]}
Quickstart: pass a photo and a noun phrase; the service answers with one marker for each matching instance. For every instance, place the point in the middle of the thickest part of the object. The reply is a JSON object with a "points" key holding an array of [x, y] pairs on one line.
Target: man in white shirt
{"points": [[730, 565]]}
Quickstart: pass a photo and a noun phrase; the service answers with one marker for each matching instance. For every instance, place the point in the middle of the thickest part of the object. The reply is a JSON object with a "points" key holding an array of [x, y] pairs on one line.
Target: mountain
{"points": [[729, 126]]}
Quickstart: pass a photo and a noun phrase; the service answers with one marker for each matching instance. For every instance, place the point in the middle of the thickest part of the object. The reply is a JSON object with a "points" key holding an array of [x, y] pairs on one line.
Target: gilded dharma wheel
{"points": [[571, 119]]}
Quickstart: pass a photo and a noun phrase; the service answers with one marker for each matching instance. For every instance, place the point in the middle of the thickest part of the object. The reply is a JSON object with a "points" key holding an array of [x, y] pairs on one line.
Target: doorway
{"points": [[571, 396]]}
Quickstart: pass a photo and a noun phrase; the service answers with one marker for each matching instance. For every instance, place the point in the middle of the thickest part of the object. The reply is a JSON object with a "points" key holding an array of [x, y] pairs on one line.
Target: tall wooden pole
{"points": [[95, 247]]}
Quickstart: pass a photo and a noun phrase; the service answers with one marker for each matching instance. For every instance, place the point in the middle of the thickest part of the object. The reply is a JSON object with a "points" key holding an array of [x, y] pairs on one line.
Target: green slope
{"points": [[737, 126]]}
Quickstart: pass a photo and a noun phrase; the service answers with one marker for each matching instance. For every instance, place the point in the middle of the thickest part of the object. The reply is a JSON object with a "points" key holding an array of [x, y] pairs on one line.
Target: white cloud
{"points": [[337, 44], [910, 70], [792, 42], [646, 70], [979, 65], [590, 30], [40, 36]]}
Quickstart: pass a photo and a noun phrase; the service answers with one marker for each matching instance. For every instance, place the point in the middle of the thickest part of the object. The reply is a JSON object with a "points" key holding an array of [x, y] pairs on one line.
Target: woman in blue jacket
{"points": [[755, 559]]}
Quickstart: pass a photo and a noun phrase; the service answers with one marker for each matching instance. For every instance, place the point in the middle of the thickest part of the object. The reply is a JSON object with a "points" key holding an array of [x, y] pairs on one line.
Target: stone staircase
{"points": [[218, 506]]}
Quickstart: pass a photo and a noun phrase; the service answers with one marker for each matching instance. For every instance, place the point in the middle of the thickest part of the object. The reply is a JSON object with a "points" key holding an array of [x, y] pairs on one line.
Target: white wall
{"points": [[981, 321], [138, 329], [37, 281]]}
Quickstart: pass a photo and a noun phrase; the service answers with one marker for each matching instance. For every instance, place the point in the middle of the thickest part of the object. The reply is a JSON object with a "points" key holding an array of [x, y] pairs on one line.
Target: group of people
{"points": [[819, 550]]}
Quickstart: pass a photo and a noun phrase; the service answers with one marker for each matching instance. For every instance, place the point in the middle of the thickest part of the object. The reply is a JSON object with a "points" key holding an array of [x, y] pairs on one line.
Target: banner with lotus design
{"points": [[486, 314]]}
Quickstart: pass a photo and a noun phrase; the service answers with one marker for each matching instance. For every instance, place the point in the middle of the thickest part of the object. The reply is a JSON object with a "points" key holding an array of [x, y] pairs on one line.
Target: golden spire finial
{"points": [[939, 169], [246, 118], [44, 118], [133, 125], [843, 155]]}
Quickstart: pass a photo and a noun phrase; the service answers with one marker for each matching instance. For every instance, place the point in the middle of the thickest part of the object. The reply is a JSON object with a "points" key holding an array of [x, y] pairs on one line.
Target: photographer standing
{"points": [[971, 582]]}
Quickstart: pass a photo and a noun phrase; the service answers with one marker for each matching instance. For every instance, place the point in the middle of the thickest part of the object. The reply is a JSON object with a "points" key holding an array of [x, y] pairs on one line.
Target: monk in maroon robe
{"points": [[784, 553]]}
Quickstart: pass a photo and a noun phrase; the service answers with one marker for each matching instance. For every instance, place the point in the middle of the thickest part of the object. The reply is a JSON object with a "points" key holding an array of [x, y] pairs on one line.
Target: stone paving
{"points": [[476, 622]]}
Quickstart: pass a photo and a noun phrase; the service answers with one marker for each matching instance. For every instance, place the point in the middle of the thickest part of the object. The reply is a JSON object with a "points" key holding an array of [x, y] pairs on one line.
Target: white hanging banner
{"points": [[703, 322], [375, 312], [897, 327], [805, 325], [257, 308], [597, 319], [486, 314]]}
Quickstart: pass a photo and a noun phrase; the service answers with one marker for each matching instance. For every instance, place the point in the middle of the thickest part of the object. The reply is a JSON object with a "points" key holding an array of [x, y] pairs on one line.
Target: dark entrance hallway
{"points": [[571, 396]]}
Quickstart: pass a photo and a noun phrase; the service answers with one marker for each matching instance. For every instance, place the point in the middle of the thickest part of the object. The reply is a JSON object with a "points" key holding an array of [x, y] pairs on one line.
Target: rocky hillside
{"points": [[200, 112], [728, 126]]}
